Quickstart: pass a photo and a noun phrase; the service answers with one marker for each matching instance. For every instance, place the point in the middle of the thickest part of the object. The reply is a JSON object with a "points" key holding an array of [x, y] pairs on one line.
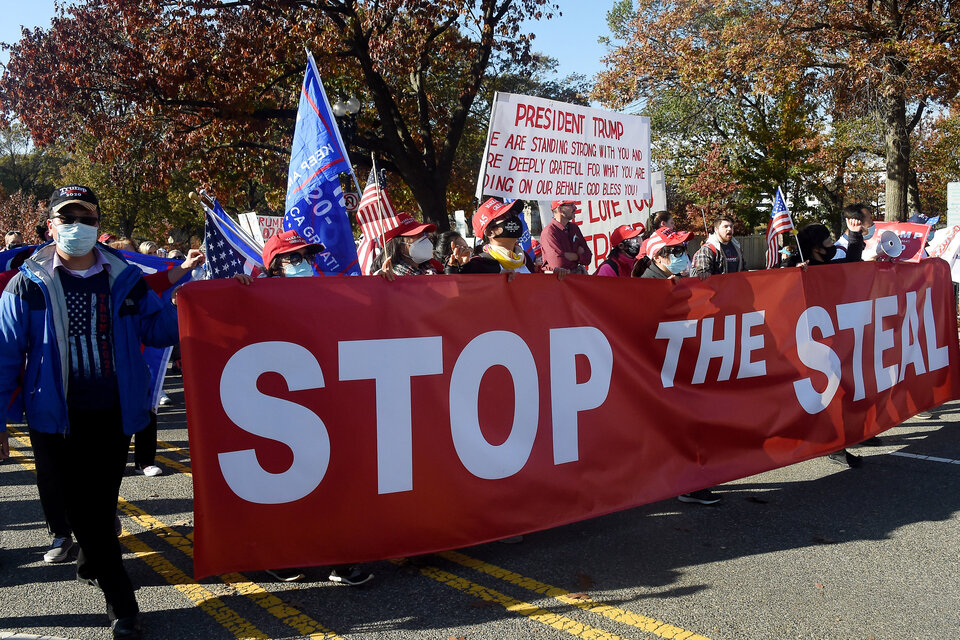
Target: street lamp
{"points": [[345, 110]]}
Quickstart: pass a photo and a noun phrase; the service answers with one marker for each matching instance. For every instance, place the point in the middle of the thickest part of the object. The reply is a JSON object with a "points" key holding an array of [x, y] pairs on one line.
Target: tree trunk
{"points": [[430, 196], [897, 145], [913, 195]]}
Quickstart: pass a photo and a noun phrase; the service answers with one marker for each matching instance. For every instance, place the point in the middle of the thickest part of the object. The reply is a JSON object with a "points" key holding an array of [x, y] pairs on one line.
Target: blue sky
{"points": [[570, 38]]}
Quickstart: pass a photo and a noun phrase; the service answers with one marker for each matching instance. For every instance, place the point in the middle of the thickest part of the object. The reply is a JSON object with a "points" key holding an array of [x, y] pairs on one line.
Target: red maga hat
{"points": [[287, 242], [664, 237], [407, 225], [488, 212], [625, 232], [557, 203]]}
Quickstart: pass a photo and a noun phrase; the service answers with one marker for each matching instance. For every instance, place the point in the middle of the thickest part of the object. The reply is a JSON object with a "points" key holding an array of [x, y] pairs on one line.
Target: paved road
{"points": [[812, 551]]}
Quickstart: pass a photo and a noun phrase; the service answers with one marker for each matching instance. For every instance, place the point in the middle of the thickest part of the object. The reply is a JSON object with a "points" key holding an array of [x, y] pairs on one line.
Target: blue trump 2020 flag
{"points": [[315, 205]]}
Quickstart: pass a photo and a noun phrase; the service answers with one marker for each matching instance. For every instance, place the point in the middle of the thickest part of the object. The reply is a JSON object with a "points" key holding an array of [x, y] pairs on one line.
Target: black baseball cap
{"points": [[73, 194]]}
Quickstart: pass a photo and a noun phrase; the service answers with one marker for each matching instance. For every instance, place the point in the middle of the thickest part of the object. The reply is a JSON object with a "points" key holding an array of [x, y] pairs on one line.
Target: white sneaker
{"points": [[60, 551], [165, 399], [149, 470]]}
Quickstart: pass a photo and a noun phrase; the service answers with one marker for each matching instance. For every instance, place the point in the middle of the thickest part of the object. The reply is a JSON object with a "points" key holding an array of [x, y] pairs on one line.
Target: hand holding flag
{"points": [[779, 222]]}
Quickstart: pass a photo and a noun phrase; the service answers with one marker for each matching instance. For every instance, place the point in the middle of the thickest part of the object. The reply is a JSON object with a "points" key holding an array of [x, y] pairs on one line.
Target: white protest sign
{"points": [[260, 228], [539, 149], [953, 203], [946, 244]]}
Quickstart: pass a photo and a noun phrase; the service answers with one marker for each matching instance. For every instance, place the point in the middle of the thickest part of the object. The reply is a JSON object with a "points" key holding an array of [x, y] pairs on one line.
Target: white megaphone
{"points": [[889, 245]]}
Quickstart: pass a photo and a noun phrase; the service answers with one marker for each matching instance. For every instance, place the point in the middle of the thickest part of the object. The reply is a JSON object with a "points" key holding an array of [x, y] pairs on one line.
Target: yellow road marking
{"points": [[554, 620], [200, 596], [647, 624], [650, 625]]}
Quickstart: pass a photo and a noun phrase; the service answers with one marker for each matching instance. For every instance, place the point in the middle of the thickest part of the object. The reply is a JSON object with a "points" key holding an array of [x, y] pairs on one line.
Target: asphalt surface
{"points": [[815, 550]]}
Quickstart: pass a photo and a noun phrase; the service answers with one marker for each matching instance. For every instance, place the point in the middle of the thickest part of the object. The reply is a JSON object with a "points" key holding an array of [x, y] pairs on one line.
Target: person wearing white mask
{"points": [[288, 255], [407, 251], [73, 320], [667, 252]]}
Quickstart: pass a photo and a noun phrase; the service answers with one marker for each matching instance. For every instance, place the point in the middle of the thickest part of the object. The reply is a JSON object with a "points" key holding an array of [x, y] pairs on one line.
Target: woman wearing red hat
{"points": [[666, 254], [288, 255], [498, 223], [626, 245], [407, 251]]}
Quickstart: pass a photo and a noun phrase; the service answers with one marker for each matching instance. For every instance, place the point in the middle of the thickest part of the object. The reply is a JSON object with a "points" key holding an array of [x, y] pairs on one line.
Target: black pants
{"points": [[52, 499], [145, 444], [87, 466]]}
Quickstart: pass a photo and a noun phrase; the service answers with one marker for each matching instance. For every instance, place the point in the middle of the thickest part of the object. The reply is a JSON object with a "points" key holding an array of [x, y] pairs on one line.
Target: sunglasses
{"points": [[294, 258], [678, 250], [66, 218]]}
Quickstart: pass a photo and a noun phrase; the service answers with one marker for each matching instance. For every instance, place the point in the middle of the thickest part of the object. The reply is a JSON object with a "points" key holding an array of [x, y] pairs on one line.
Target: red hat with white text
{"points": [[625, 232], [287, 242], [664, 237], [488, 212]]}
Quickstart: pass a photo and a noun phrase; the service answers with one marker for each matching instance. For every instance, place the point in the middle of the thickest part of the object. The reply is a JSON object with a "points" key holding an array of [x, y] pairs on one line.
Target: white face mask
{"points": [[679, 264], [76, 239], [421, 250], [302, 270]]}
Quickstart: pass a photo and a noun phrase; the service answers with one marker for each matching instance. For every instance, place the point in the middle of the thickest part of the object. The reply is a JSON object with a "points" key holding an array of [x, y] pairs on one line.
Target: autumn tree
{"points": [[211, 86], [25, 167], [881, 62]]}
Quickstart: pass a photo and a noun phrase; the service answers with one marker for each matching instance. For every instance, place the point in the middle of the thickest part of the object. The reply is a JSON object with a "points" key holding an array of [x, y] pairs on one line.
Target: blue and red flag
{"points": [[315, 205]]}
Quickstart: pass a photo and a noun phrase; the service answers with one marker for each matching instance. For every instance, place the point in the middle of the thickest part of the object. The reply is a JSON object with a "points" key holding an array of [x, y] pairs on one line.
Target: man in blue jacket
{"points": [[72, 321]]}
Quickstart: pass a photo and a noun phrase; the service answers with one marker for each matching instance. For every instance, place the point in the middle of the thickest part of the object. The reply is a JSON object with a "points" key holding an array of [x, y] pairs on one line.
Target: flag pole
{"points": [[793, 227], [381, 232], [486, 150], [336, 127]]}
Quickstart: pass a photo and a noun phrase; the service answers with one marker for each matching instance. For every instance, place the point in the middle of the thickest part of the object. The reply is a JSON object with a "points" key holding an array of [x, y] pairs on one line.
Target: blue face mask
{"points": [[679, 264], [302, 270], [76, 239]]}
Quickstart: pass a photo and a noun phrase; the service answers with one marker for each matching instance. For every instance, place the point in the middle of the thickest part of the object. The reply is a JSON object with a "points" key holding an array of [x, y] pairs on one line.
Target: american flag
{"points": [[779, 222], [376, 218], [228, 249]]}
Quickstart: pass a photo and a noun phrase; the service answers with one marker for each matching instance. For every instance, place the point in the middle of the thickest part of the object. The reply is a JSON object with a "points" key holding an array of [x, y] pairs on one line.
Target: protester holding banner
{"points": [[407, 251], [287, 255], [626, 246], [564, 246], [76, 314], [498, 223], [720, 253], [667, 254]]}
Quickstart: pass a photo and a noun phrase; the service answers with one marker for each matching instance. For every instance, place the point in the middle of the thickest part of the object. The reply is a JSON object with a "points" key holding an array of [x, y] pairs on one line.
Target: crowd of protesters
{"points": [[76, 315]]}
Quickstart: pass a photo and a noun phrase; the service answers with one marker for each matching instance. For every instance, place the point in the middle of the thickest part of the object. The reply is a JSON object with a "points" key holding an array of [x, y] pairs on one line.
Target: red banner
{"points": [[352, 419]]}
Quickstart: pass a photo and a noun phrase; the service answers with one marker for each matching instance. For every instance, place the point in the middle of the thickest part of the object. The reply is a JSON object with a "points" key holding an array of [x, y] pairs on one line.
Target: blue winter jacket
{"points": [[34, 325]]}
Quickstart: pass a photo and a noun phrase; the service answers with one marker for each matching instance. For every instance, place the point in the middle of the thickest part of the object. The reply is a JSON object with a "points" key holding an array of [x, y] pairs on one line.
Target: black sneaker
{"points": [[286, 575], [875, 441], [127, 628], [845, 458], [352, 576], [704, 496]]}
